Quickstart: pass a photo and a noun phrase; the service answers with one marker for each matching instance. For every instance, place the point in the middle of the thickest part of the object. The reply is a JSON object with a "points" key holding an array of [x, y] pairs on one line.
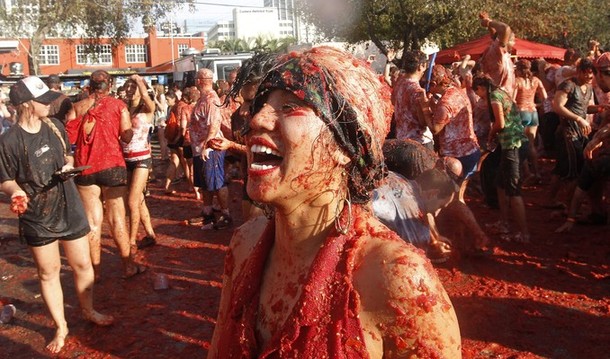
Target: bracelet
{"points": [[571, 219]]}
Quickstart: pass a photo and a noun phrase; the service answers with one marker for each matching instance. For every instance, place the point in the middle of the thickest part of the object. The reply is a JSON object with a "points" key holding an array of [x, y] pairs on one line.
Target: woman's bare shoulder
{"points": [[402, 299], [245, 238]]}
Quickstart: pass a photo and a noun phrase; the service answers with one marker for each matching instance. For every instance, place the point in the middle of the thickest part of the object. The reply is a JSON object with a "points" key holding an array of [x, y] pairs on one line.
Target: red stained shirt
{"points": [[405, 96], [324, 322], [205, 114], [457, 138], [101, 149]]}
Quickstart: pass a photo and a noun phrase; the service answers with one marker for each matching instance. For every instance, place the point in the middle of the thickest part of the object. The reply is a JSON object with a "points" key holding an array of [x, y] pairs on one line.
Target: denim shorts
{"points": [[529, 119], [209, 175]]}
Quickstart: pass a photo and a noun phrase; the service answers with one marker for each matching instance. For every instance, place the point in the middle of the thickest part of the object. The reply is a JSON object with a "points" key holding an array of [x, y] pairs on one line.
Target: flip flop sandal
{"points": [[147, 241], [439, 253]]}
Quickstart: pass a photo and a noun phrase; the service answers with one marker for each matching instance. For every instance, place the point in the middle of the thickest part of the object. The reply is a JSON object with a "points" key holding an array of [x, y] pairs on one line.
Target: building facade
{"points": [[72, 56]]}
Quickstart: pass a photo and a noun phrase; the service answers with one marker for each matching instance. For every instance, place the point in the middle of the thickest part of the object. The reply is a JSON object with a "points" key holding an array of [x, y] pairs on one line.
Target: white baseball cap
{"points": [[32, 88]]}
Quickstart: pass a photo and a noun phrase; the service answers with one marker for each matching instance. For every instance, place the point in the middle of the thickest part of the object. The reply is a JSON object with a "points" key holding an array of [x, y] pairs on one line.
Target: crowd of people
{"points": [[345, 173]]}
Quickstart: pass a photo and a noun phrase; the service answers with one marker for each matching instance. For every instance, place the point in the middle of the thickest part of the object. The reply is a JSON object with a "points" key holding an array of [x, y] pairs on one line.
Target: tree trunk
{"points": [[33, 56]]}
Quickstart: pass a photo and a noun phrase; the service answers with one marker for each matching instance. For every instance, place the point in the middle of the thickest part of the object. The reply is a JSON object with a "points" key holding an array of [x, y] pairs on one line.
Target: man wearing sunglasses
{"points": [[596, 169]]}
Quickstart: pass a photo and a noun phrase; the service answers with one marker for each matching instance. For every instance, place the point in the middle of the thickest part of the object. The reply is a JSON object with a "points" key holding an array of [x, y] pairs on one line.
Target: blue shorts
{"points": [[469, 163], [210, 175], [529, 119]]}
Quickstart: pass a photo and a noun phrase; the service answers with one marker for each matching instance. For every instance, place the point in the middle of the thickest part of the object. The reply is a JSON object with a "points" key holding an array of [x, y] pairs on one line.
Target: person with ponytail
{"points": [[36, 170], [507, 131], [103, 123]]}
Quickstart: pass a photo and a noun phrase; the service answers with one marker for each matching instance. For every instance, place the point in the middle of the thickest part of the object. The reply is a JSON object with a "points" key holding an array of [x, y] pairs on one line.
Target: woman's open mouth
{"points": [[264, 158]]}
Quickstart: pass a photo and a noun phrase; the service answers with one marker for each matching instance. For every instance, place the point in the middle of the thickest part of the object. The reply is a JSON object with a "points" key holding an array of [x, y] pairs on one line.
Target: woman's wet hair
{"points": [[252, 70], [349, 97], [100, 81], [525, 67], [482, 80]]}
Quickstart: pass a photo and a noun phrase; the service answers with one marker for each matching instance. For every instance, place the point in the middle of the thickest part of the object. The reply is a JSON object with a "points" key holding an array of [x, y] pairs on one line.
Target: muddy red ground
{"points": [[546, 299]]}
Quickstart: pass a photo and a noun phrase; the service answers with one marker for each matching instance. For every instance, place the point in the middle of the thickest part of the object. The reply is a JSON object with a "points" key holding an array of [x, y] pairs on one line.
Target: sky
{"points": [[208, 12]]}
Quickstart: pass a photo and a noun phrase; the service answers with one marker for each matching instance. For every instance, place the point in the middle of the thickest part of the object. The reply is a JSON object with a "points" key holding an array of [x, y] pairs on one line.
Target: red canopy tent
{"points": [[522, 49]]}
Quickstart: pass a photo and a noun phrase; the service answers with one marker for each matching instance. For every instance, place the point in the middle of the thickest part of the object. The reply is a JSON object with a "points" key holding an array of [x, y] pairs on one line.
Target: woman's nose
{"points": [[265, 119]]}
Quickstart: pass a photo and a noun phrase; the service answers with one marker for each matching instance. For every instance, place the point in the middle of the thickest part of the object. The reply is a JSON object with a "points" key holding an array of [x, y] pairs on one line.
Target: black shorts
{"points": [[111, 177], [187, 152], [593, 171], [569, 152], [508, 173], [39, 242], [145, 163]]}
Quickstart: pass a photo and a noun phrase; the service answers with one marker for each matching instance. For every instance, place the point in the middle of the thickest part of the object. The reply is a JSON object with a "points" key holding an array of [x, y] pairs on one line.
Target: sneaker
{"points": [[201, 220], [224, 221]]}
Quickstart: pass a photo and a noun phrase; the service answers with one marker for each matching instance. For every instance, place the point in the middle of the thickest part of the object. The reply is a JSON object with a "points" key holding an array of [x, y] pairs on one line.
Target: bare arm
{"points": [[559, 102], [502, 30], [404, 304], [149, 104], [601, 136], [126, 133], [540, 90], [499, 122]]}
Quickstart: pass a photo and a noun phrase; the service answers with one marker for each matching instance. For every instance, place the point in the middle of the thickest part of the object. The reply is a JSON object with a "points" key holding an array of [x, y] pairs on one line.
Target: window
{"points": [[101, 55], [136, 53], [182, 48], [48, 55]]}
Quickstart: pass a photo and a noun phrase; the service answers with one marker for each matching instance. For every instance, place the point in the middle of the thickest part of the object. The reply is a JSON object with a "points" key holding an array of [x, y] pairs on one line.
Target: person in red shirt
{"points": [[104, 121]]}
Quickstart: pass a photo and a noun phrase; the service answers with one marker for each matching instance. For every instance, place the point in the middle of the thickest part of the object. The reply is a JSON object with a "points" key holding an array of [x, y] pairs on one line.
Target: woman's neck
{"points": [[134, 104], [30, 124], [300, 230]]}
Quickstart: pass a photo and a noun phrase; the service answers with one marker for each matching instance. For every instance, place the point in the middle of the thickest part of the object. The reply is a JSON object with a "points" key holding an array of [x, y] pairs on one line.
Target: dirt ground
{"points": [[546, 299]]}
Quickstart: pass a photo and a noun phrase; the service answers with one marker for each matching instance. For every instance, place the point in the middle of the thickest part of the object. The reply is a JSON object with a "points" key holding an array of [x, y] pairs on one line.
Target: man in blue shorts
{"points": [[208, 164]]}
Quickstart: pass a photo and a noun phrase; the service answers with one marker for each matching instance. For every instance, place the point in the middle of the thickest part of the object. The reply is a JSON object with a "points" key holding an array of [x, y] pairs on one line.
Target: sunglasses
{"points": [[605, 72]]}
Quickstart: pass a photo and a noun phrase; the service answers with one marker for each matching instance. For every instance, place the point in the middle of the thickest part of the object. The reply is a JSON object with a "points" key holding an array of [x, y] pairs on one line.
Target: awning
{"points": [[522, 49]]}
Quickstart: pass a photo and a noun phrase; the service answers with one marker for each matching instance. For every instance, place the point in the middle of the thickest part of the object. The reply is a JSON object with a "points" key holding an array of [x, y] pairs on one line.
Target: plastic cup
{"points": [[160, 282], [7, 314]]}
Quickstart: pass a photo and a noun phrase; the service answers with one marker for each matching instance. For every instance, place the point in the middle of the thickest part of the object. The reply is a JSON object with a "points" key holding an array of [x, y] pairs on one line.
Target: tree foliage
{"points": [[89, 19], [406, 24], [262, 44]]}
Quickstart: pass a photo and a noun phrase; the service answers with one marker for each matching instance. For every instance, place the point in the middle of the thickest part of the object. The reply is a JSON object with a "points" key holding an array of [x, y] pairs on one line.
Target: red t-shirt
{"points": [[100, 149]]}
